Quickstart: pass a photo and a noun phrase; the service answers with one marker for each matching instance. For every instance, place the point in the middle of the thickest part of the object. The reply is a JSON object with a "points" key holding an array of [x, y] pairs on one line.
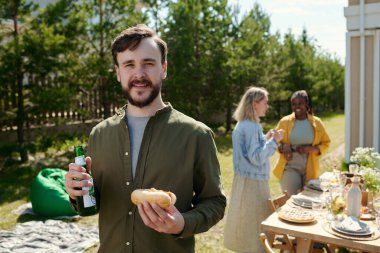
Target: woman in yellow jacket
{"points": [[305, 140]]}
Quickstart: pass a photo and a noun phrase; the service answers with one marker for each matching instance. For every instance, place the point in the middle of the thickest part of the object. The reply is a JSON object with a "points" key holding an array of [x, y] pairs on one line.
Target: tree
{"points": [[16, 11], [103, 20], [196, 35], [250, 56]]}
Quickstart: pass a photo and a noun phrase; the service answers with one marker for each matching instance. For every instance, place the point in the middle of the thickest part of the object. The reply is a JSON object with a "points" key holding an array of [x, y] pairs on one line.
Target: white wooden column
{"points": [[376, 92]]}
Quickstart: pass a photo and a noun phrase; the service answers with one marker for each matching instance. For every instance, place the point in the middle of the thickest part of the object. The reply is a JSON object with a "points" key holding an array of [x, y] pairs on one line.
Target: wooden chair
{"points": [[281, 242], [265, 243], [277, 202]]}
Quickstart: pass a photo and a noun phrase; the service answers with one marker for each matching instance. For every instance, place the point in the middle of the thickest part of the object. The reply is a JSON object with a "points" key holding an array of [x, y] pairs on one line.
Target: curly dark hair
{"points": [[303, 94]]}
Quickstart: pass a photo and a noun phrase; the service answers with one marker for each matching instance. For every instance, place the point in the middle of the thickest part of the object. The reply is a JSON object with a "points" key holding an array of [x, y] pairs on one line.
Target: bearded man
{"points": [[149, 144]]}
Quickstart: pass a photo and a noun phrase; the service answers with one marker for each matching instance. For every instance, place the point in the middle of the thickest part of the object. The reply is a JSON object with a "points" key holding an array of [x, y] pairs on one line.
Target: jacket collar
{"points": [[121, 112]]}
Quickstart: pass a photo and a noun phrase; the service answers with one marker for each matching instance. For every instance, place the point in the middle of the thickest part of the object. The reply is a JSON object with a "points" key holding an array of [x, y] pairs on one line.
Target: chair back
{"points": [[265, 243], [276, 202]]}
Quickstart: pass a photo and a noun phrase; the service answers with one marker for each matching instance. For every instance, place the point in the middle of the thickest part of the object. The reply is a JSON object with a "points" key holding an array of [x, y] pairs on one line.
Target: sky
{"points": [[323, 19]]}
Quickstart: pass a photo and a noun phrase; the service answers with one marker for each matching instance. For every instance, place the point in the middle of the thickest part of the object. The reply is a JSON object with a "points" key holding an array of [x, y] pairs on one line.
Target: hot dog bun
{"points": [[162, 198]]}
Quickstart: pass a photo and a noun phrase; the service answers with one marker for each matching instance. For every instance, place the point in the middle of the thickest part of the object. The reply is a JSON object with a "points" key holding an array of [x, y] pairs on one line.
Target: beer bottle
{"points": [[86, 203]]}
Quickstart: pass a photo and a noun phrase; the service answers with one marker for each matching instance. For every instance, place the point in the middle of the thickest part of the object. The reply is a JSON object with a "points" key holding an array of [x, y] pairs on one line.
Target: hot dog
{"points": [[162, 198]]}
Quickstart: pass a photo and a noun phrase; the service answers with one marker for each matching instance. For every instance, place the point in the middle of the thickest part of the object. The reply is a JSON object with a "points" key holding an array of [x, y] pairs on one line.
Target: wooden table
{"points": [[306, 234]]}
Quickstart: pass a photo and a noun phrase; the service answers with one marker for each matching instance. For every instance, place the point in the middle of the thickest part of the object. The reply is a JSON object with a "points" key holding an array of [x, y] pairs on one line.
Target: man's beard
{"points": [[153, 94]]}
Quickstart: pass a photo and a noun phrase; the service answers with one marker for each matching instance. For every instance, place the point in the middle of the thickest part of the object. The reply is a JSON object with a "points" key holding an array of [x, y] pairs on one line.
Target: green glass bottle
{"points": [[87, 203]]}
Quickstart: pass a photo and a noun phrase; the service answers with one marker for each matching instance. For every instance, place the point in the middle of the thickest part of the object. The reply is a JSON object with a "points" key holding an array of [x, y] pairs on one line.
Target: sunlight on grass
{"points": [[8, 219]]}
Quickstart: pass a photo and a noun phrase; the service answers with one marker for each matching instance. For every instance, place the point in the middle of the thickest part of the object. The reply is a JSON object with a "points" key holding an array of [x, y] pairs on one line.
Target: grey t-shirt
{"points": [[136, 127], [302, 133]]}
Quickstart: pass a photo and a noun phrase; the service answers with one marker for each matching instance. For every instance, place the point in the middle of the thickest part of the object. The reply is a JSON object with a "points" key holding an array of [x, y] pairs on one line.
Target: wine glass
{"points": [[324, 184]]}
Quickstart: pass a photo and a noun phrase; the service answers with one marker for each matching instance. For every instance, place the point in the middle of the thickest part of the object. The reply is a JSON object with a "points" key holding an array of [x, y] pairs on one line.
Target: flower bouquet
{"points": [[368, 162]]}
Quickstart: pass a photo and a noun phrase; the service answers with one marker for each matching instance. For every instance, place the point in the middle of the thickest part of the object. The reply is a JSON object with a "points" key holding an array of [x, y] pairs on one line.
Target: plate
{"points": [[374, 236], [350, 233], [367, 216], [364, 228]]}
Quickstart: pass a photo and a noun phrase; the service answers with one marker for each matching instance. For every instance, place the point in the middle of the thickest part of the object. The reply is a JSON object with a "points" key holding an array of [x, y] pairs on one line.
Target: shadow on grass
{"points": [[30, 217], [15, 181], [16, 178]]}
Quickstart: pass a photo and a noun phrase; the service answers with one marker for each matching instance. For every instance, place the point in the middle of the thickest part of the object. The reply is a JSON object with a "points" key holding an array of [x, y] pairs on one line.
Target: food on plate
{"points": [[296, 215], [162, 198], [364, 210]]}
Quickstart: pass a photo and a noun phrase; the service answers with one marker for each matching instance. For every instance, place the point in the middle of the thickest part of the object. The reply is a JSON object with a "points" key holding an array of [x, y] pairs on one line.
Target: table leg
{"points": [[304, 245]]}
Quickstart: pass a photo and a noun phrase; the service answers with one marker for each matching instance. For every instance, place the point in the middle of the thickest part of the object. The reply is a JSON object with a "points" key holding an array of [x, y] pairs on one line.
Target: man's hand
{"points": [[169, 220], [77, 172]]}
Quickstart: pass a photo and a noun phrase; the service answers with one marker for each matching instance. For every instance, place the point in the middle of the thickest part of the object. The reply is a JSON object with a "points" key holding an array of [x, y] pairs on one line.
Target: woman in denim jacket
{"points": [[250, 189]]}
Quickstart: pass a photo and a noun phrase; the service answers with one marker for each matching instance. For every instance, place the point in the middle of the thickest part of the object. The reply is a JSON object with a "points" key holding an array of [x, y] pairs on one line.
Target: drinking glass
{"points": [[337, 203], [318, 207], [324, 184], [353, 168]]}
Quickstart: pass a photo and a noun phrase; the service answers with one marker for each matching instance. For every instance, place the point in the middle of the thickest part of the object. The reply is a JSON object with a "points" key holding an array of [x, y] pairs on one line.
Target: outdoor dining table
{"points": [[318, 231]]}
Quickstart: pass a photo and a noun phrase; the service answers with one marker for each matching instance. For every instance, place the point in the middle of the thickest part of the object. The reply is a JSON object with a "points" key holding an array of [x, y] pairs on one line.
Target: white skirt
{"points": [[248, 207]]}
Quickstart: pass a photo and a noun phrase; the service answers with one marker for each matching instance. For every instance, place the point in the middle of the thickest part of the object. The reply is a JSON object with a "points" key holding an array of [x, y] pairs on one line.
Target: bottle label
{"points": [[89, 199], [79, 160]]}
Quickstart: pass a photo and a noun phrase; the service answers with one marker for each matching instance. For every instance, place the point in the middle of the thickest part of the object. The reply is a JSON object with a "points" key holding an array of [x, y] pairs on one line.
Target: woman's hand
{"points": [[308, 149], [278, 135], [287, 152], [269, 134]]}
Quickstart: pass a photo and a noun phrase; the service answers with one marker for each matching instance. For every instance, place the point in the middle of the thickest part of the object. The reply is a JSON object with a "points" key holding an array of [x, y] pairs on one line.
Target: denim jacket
{"points": [[251, 150]]}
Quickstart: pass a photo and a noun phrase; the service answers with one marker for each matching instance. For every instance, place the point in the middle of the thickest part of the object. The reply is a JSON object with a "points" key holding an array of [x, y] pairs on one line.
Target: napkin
{"points": [[351, 223], [314, 184], [302, 199]]}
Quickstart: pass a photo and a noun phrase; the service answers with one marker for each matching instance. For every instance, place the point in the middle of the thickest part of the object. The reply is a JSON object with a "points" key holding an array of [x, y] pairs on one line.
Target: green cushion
{"points": [[48, 194]]}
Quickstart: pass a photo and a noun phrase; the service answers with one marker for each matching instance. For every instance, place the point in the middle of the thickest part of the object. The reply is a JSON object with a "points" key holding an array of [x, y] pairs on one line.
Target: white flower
{"points": [[366, 159]]}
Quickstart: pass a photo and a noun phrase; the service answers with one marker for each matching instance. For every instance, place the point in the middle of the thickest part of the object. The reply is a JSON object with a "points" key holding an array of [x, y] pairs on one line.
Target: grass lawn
{"points": [[15, 180]]}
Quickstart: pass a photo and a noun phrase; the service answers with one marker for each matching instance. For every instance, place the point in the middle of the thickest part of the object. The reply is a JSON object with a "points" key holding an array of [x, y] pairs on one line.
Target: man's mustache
{"points": [[143, 81]]}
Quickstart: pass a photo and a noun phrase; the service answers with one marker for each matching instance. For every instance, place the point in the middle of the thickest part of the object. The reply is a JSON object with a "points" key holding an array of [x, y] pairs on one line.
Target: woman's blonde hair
{"points": [[244, 110]]}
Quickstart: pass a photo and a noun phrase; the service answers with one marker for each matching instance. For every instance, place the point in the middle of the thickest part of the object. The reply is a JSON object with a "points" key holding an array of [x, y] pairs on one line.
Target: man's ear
{"points": [[117, 73], [164, 69]]}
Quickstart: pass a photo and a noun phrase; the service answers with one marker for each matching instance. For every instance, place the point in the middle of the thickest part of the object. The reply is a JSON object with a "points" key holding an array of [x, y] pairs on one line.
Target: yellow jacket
{"points": [[321, 139]]}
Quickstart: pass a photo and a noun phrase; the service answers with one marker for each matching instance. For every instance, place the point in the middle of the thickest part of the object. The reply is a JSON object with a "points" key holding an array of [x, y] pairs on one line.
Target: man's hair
{"points": [[131, 37], [244, 110]]}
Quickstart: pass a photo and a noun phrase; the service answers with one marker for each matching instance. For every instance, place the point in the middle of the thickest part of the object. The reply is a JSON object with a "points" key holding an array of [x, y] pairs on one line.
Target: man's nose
{"points": [[140, 72]]}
